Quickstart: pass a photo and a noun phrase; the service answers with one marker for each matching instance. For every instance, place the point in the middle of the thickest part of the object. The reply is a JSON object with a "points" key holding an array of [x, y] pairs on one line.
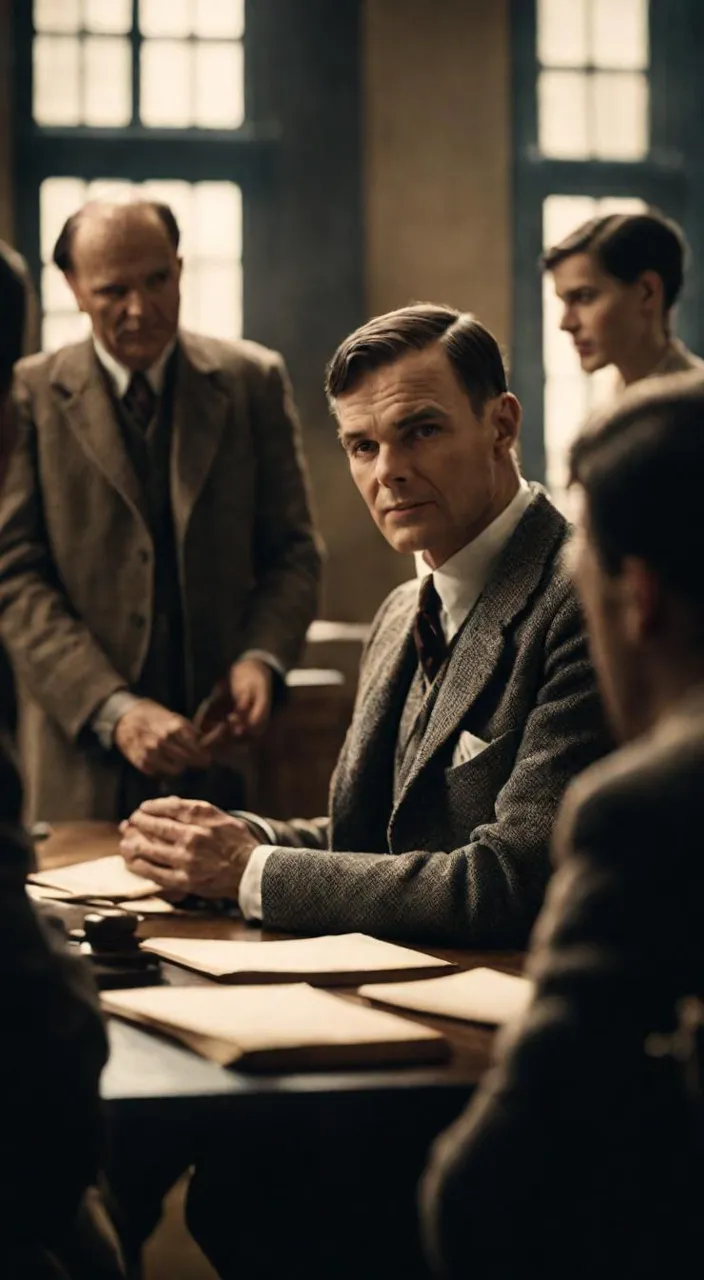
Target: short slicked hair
{"points": [[625, 245], [471, 349], [640, 464], [62, 255]]}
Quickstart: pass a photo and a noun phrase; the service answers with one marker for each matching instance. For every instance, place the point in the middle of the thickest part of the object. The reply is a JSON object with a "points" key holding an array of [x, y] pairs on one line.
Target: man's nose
{"points": [[391, 466], [135, 304], [569, 321]]}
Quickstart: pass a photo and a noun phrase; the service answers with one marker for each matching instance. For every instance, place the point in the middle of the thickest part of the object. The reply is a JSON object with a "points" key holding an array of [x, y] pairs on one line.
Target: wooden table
{"points": [[147, 1071]]}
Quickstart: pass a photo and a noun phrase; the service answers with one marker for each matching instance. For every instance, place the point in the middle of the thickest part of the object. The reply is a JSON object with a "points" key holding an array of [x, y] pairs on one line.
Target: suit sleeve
{"points": [[580, 1138], [54, 1048], [287, 550], [53, 652], [488, 892]]}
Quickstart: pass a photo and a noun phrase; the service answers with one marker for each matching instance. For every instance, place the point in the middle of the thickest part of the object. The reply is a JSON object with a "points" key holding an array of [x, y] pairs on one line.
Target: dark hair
{"points": [[472, 350], [13, 309], [64, 244], [641, 465], [625, 245]]}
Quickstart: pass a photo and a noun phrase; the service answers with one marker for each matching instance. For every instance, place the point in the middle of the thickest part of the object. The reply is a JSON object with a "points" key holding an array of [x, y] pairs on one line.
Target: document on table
{"points": [[338, 960], [476, 995], [291, 1027], [107, 878]]}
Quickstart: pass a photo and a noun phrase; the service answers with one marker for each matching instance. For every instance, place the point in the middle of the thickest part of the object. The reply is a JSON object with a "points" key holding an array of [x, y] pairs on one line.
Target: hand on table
{"points": [[158, 741], [239, 706], [187, 846]]}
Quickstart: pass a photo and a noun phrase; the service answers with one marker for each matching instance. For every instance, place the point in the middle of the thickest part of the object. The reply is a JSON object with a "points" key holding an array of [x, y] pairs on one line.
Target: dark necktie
{"points": [[428, 635], [140, 400]]}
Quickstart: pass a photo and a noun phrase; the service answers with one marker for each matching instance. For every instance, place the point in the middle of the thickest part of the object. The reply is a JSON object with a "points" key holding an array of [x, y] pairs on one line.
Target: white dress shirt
{"points": [[459, 583], [120, 375]]}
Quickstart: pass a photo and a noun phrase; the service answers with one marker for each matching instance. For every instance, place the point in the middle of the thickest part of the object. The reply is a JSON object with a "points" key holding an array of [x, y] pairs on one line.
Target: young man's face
{"points": [[431, 471], [606, 319]]}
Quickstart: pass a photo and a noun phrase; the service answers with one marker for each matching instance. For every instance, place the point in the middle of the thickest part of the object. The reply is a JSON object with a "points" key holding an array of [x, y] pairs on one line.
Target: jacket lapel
{"points": [[200, 412], [481, 642], [92, 418]]}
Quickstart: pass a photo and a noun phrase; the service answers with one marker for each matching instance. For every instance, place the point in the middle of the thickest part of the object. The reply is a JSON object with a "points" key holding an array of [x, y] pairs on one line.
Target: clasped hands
{"points": [[161, 743], [187, 847]]}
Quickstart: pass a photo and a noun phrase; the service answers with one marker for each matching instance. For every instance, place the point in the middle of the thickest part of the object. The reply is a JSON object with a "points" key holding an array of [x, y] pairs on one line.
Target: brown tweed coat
{"points": [[469, 842], [77, 555]]}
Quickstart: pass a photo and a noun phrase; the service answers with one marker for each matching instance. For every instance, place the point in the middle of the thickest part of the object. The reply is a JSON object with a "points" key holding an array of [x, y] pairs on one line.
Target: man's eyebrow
{"points": [[426, 413]]}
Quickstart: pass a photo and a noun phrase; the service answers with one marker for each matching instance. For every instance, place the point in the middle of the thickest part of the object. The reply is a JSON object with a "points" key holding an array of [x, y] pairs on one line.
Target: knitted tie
{"points": [[428, 636], [140, 400]]}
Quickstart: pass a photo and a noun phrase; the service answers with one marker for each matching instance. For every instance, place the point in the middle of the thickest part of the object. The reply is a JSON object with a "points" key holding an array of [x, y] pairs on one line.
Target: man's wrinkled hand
{"points": [[240, 705], [159, 742], [187, 846]]}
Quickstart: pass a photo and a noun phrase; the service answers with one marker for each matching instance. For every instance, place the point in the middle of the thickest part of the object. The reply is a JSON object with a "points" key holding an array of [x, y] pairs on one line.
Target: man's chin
{"points": [[592, 361]]}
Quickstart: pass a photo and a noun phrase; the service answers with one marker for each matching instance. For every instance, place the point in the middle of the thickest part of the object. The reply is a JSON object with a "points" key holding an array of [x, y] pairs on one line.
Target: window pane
{"points": [[56, 80], [620, 105], [562, 214], [217, 20], [219, 87], [58, 198], [566, 406], [165, 17], [559, 356], [562, 114], [165, 97], [110, 189], [562, 33], [107, 85], [218, 296], [110, 17], [217, 220], [57, 15], [63, 327], [620, 33]]}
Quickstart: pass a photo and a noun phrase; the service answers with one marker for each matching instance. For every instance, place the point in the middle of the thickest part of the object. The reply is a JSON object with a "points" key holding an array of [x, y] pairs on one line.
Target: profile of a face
{"points": [[125, 275], [432, 471], [606, 318]]}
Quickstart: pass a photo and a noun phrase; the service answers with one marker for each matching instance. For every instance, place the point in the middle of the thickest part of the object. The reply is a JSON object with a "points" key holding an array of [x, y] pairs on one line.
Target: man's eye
{"points": [[425, 430], [362, 447]]}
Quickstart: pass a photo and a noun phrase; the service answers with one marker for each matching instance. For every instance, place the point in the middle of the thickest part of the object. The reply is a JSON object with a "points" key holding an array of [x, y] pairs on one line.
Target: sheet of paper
{"points": [[100, 878], [476, 995], [342, 958], [262, 1027], [40, 893]]}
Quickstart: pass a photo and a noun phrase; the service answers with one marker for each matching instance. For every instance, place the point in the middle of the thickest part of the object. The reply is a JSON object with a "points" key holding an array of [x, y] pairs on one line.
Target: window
{"points": [[134, 96], [605, 95]]}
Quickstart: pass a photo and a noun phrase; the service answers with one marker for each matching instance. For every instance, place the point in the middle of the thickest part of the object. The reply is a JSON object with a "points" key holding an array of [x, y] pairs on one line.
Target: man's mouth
{"points": [[403, 508]]}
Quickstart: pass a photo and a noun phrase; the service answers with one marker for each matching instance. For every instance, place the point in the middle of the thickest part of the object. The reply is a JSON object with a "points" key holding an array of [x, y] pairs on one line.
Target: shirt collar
{"points": [[460, 581], [120, 376]]}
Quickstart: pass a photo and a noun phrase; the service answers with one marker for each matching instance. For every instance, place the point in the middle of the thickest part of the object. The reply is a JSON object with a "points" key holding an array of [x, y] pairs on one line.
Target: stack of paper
{"points": [[340, 960], [478, 995], [107, 878], [278, 1027]]}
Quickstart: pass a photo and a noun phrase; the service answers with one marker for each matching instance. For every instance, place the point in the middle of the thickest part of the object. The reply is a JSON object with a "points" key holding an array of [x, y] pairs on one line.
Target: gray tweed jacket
{"points": [[468, 843]]}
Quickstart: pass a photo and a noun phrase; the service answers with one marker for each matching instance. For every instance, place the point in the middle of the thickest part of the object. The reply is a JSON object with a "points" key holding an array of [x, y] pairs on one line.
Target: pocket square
{"points": [[467, 748]]}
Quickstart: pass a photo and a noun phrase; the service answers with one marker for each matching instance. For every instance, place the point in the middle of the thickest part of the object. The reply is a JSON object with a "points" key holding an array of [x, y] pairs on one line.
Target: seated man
{"points": [[582, 1156], [53, 1043], [619, 278], [477, 702]]}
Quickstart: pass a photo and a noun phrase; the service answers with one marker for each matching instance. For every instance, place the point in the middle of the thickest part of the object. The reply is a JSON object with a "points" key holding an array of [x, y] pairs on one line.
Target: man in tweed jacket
{"points": [[445, 792]]}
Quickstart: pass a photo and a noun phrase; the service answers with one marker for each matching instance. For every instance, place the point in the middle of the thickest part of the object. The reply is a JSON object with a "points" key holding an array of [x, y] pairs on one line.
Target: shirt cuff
{"points": [[262, 655], [104, 720], [250, 892]]}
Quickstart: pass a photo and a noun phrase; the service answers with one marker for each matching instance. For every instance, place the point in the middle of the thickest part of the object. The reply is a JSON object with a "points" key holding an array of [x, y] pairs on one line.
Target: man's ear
{"points": [[71, 281], [651, 292], [506, 419], [641, 599]]}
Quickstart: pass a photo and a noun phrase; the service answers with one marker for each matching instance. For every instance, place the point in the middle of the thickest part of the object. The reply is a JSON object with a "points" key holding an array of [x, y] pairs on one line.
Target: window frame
{"points": [[671, 177]]}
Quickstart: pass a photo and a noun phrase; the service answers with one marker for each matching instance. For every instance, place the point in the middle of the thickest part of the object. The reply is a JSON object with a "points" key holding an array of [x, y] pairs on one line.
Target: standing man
{"points": [[156, 541], [582, 1154], [619, 278]]}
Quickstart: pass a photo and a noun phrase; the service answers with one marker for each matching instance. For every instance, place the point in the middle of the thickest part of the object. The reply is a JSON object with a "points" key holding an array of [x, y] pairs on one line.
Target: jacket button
{"points": [[138, 621]]}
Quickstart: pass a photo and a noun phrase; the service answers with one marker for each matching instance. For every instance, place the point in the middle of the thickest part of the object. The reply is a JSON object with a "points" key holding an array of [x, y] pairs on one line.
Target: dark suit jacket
{"points": [[52, 1050], [581, 1156], [76, 552], [474, 836]]}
